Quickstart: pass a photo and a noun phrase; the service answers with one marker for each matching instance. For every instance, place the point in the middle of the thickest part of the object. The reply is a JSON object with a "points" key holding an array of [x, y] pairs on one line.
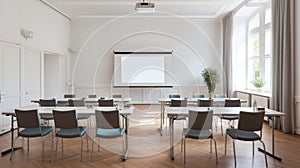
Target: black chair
{"points": [[69, 96], [69, 129], [200, 127], [249, 124], [116, 96], [106, 102], [29, 127], [230, 103], [204, 102], [174, 96], [92, 96], [178, 103], [47, 103], [108, 126]]}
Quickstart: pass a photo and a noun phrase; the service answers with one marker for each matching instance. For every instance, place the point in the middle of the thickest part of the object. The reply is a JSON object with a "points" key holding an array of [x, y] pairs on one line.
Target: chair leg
{"points": [[62, 146], [217, 161], [221, 127], [265, 152], [234, 153], [184, 151], [225, 143], [27, 146], [92, 149], [43, 139], [81, 149], [252, 149], [87, 142], [51, 146], [181, 143], [98, 144], [56, 145], [12, 149], [210, 145]]}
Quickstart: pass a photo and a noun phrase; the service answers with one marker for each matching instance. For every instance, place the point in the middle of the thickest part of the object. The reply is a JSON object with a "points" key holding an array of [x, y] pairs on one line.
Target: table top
{"points": [[79, 110], [195, 100], [218, 111]]}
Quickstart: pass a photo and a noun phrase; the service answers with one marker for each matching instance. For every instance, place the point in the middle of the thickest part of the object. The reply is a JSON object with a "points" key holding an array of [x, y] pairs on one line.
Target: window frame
{"points": [[261, 29]]}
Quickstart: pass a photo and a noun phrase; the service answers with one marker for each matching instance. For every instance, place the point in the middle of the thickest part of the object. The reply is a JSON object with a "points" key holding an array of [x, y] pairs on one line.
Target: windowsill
{"points": [[252, 92]]}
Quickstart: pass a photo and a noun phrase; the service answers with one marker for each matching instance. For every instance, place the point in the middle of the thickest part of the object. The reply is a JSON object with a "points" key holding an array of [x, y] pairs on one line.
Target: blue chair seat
{"points": [[197, 134], [230, 117], [242, 135], [36, 132], [110, 133], [71, 133]]}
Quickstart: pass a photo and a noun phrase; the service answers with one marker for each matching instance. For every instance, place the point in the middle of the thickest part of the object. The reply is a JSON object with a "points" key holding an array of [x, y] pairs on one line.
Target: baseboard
{"points": [[297, 131]]}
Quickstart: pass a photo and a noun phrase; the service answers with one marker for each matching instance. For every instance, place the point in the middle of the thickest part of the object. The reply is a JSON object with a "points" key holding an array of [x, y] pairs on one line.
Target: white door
{"points": [[10, 81], [32, 75], [52, 76]]}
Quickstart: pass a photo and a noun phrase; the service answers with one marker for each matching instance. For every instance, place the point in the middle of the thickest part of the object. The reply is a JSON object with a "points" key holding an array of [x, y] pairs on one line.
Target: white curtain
{"points": [[227, 54], [282, 62]]}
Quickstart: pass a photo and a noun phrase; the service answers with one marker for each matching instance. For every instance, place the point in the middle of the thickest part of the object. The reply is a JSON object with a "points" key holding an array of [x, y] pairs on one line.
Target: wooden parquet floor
{"points": [[148, 149]]}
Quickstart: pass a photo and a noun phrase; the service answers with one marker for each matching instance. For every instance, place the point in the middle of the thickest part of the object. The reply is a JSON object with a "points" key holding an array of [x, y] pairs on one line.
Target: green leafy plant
{"points": [[211, 78], [259, 83]]}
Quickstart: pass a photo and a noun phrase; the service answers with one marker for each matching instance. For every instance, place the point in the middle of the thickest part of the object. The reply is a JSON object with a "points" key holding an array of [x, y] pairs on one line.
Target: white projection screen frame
{"points": [[142, 69]]}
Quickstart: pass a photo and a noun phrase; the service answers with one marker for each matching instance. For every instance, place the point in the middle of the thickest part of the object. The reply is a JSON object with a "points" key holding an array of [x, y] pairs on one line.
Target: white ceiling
{"points": [[85, 9]]}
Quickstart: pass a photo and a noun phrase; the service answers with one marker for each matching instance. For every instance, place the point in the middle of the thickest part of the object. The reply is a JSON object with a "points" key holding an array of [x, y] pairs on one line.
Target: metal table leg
{"points": [[171, 125], [12, 138], [126, 138], [273, 142]]}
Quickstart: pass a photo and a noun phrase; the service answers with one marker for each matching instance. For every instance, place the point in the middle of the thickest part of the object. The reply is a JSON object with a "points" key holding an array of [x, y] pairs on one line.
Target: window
{"points": [[259, 48]]}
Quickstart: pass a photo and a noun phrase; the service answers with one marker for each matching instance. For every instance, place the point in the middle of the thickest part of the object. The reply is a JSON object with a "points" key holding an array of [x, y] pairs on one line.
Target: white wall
{"points": [[297, 67], [196, 44], [50, 29]]}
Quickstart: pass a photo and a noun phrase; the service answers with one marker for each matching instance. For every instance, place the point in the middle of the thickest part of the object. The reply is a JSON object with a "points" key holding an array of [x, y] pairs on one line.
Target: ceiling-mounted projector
{"points": [[144, 7]]}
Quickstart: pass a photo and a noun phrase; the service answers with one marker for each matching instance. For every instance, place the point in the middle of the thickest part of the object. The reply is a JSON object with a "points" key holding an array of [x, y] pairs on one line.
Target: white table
{"points": [[125, 112], [218, 111], [164, 101]]}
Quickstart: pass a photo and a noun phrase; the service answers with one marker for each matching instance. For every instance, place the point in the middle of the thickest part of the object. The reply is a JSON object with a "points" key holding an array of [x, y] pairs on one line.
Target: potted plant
{"points": [[211, 78], [258, 83]]}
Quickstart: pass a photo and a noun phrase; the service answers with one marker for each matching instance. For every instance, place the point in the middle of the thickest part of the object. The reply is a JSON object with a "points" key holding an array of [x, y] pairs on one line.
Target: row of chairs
{"points": [[200, 127], [68, 96], [74, 102], [197, 96], [107, 126]]}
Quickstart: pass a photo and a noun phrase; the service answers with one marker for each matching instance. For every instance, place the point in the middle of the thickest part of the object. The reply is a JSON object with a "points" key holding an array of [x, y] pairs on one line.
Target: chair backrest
{"points": [[69, 96], [205, 103], [251, 121], [92, 96], [199, 96], [76, 103], [116, 96], [178, 103], [200, 120], [219, 96], [65, 119], [232, 103], [47, 102], [107, 119], [106, 103], [174, 96], [27, 118]]}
